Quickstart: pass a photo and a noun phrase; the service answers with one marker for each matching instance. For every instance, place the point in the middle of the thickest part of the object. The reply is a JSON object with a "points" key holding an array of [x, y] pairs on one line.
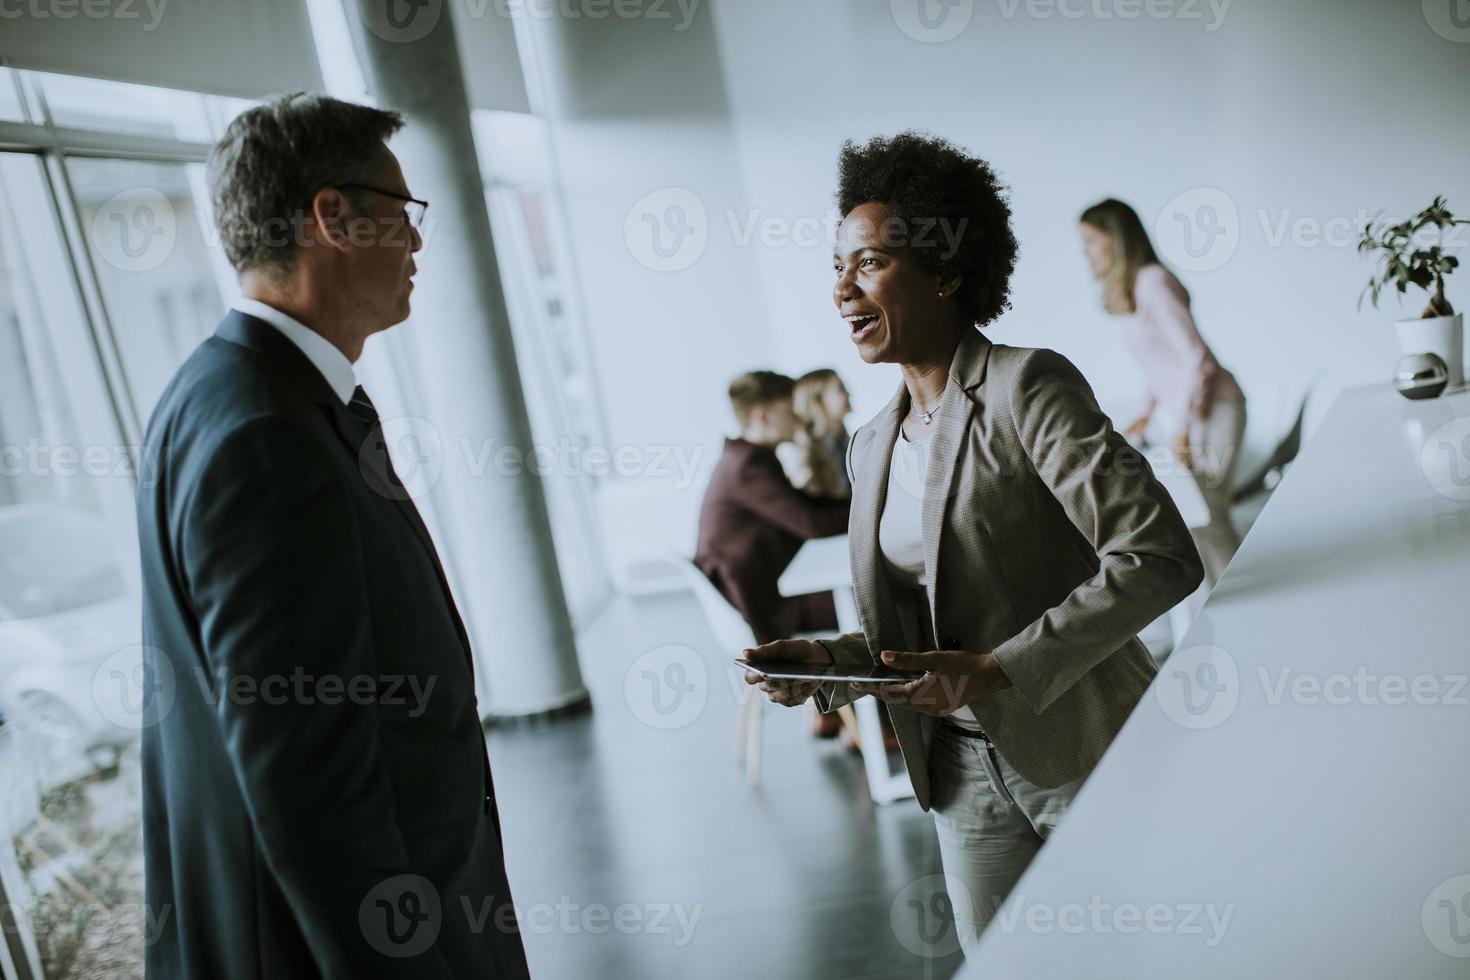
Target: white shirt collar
{"points": [[331, 362]]}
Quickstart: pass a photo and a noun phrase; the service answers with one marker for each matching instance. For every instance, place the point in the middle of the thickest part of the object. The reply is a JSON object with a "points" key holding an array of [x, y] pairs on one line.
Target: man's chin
{"points": [[405, 309]]}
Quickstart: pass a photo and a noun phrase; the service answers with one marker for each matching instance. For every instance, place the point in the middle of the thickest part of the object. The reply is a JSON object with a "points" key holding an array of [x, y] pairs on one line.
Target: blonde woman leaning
{"points": [[1202, 406], [815, 457]]}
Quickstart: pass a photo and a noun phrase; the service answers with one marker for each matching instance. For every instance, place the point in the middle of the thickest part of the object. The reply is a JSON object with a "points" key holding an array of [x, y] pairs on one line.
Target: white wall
{"points": [[638, 108], [1315, 109]]}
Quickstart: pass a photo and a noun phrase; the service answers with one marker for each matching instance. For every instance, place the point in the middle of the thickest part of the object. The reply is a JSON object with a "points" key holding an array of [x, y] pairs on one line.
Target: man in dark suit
{"points": [[753, 520], [317, 793]]}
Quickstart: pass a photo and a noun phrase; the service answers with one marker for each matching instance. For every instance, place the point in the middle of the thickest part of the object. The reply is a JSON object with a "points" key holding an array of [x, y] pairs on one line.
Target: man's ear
{"points": [[330, 212], [949, 286]]}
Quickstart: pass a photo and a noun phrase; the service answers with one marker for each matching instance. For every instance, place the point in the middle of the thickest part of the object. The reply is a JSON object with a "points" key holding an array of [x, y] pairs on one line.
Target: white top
{"points": [[321, 352], [1289, 797], [901, 542]]}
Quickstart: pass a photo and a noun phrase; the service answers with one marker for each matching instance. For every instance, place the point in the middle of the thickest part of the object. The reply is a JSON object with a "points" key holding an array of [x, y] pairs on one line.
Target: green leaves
{"points": [[1404, 264]]}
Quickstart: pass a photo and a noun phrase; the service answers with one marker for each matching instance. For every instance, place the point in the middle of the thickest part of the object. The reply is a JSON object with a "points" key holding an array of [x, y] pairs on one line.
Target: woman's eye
{"points": [[866, 261]]}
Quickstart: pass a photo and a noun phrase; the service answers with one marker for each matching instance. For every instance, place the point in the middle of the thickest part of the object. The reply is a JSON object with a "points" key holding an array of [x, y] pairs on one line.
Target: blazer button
{"points": [[951, 643]]}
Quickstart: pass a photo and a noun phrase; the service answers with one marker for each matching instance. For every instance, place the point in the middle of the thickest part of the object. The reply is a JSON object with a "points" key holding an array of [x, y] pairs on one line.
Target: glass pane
{"points": [[556, 365], [512, 146], [222, 111], [559, 391], [142, 222], [94, 103], [69, 620], [10, 107]]}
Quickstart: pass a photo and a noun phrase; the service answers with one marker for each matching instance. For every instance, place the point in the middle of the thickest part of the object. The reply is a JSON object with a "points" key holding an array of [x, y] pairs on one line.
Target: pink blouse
{"points": [[1183, 376]]}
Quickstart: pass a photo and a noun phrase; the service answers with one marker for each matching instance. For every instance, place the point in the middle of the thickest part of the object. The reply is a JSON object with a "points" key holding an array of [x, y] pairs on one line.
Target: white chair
{"points": [[1275, 420], [1257, 478], [733, 635]]}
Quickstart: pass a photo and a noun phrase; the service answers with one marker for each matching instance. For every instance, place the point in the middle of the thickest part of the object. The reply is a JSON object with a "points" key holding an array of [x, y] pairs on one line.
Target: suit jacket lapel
{"points": [[869, 494], [946, 453], [377, 472], [366, 448], [376, 467], [939, 486]]}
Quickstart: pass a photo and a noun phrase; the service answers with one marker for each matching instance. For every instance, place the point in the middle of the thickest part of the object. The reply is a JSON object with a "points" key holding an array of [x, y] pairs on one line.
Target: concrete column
{"points": [[496, 520]]}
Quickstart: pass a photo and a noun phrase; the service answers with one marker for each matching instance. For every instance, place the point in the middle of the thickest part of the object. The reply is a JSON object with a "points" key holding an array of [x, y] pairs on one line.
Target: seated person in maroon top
{"points": [[754, 521]]}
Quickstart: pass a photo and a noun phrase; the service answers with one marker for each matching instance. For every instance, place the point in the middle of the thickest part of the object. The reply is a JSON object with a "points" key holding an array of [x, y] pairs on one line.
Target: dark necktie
{"points": [[362, 407]]}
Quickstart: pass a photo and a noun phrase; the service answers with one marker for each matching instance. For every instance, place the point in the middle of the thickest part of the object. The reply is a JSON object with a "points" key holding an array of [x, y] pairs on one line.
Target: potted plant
{"points": [[1412, 254]]}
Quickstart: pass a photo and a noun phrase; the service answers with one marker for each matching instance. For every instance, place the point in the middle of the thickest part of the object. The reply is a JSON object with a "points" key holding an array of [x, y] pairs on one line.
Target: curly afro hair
{"points": [[927, 181]]}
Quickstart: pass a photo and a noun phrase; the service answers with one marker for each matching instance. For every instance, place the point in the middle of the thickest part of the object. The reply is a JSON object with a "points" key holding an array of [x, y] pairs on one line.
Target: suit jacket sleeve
{"points": [[1147, 559], [769, 495], [272, 560]]}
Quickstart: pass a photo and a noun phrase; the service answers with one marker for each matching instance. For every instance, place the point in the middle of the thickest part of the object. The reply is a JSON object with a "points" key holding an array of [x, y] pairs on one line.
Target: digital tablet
{"points": [[781, 670]]}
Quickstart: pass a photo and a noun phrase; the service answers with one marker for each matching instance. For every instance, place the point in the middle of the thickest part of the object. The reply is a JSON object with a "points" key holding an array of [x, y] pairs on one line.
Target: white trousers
{"points": [[1216, 441]]}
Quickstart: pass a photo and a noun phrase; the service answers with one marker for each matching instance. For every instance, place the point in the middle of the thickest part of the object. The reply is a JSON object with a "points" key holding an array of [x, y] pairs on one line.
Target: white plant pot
{"points": [[1442, 335]]}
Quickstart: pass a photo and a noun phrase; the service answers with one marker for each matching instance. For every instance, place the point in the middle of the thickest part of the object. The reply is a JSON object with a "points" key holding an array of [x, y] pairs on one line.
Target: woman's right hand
{"points": [[790, 693], [1135, 431]]}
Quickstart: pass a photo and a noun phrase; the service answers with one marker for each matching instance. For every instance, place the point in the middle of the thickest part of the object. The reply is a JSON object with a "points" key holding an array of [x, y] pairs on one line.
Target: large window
{"points": [[552, 352], [108, 279], [105, 285], [143, 228]]}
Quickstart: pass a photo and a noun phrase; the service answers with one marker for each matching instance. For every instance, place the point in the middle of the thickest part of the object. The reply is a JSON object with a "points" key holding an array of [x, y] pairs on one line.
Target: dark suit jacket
{"points": [[311, 807], [751, 525]]}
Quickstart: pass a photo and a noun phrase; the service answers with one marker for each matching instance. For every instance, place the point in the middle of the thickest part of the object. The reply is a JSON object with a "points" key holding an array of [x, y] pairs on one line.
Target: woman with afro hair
{"points": [[1007, 544]]}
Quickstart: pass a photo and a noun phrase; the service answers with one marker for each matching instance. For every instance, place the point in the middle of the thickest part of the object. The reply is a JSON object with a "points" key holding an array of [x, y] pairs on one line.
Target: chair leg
{"points": [[753, 749], [742, 716]]}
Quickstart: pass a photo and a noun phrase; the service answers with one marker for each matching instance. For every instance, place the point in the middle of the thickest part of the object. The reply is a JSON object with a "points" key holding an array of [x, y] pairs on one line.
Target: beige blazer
{"points": [[1047, 540]]}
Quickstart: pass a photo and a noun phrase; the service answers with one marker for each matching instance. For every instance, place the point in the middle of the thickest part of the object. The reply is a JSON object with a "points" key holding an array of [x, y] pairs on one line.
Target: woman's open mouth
{"points": [[862, 326]]}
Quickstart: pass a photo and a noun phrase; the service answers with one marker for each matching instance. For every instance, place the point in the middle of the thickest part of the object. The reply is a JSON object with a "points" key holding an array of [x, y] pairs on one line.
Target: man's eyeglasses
{"points": [[413, 209]]}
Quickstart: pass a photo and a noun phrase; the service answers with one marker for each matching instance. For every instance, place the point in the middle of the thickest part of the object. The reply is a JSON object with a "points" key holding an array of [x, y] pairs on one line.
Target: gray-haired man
{"points": [[317, 792]]}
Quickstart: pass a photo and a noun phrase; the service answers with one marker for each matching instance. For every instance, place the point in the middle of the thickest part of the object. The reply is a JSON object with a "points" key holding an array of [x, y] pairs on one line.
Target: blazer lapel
{"points": [[376, 467], [939, 484], [946, 453], [869, 494], [366, 448]]}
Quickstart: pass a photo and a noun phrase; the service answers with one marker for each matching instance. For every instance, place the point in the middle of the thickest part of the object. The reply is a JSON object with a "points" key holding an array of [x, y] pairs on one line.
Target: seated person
{"points": [[816, 457], [753, 520]]}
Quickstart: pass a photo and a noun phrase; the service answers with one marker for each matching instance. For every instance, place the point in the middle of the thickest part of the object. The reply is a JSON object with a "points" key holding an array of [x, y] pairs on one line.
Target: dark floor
{"points": [[637, 850]]}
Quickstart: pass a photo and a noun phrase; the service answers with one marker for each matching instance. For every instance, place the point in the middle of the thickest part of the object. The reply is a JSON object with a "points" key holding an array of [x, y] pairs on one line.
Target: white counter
{"points": [[1292, 796]]}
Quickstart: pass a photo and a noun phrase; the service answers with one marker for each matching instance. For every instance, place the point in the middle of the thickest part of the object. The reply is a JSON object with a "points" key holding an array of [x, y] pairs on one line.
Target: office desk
{"points": [[820, 566], [1290, 798]]}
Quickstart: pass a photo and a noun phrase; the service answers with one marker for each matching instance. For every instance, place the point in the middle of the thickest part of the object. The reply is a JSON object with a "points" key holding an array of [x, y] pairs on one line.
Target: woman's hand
{"points": [[790, 693], [1136, 429], [952, 680], [1183, 450]]}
